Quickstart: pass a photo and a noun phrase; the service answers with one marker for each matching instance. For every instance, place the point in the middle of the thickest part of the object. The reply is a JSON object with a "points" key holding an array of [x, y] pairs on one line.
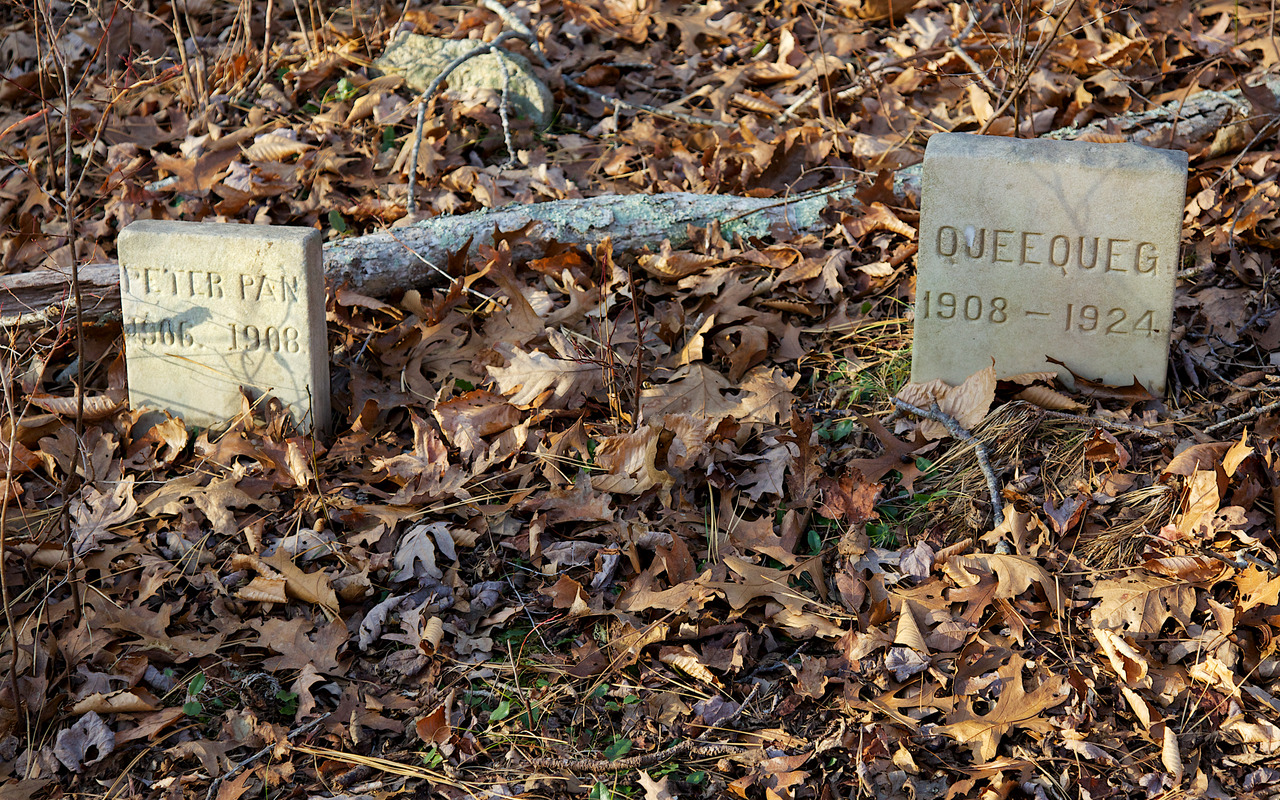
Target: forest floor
{"points": [[632, 524]]}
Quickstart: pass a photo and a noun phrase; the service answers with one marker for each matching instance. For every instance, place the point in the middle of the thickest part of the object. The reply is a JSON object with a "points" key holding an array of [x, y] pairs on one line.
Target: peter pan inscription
{"points": [[192, 283], [210, 308], [1044, 249]]}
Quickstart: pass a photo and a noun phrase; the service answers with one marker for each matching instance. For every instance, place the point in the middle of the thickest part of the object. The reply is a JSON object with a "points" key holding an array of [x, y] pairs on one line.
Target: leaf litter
{"points": [[623, 523]]}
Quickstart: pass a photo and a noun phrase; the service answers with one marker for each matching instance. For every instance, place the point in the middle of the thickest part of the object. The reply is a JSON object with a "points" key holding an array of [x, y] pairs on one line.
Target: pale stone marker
{"points": [[211, 307], [1035, 248]]}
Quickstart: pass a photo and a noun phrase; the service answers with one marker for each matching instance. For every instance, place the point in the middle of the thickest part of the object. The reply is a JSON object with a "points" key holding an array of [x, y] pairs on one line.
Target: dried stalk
{"points": [[1025, 75]]}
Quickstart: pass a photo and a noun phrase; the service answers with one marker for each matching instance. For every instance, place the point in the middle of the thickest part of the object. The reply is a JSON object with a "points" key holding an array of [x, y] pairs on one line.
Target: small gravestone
{"points": [[1037, 249], [212, 307]]}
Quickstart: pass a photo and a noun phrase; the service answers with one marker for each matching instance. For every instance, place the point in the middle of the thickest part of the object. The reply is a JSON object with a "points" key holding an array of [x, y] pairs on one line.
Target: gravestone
{"points": [[1031, 249], [209, 308]]}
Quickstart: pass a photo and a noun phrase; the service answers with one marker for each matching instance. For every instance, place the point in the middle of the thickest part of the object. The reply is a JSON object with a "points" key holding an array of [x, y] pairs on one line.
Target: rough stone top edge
{"points": [[1080, 155], [219, 230]]}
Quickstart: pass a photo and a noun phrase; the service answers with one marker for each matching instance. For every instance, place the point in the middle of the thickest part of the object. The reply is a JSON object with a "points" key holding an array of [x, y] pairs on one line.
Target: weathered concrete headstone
{"points": [[1035, 248], [211, 307]]}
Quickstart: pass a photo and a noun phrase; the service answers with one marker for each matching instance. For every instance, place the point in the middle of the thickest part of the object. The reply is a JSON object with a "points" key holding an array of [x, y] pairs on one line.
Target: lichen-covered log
{"points": [[381, 263], [44, 295]]}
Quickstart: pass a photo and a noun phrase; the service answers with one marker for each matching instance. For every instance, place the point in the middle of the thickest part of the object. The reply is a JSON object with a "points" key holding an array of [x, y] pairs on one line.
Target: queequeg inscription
{"points": [[1039, 248]]}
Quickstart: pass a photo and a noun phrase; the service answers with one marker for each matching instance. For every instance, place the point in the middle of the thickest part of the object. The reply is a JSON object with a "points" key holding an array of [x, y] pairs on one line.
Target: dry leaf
{"points": [[1015, 708], [967, 403], [1051, 399], [1169, 755], [275, 147], [121, 702], [85, 743], [1126, 661], [432, 633], [908, 632], [529, 375], [687, 661], [264, 590], [96, 407]]}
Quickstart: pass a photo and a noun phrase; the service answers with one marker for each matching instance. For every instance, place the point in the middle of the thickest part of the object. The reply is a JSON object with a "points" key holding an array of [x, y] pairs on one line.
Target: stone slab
{"points": [[211, 307], [420, 59], [1031, 249]]}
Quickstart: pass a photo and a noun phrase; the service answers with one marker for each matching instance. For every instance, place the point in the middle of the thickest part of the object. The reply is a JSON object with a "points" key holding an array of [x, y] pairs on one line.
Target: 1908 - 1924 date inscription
{"points": [[1078, 318]]}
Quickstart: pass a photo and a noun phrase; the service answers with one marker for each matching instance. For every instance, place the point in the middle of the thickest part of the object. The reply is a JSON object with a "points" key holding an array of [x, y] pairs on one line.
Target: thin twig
{"points": [[432, 88], [1245, 417], [266, 53], [6, 365], [957, 47], [446, 275], [293, 734], [502, 108], [790, 111], [1114, 425], [70, 482], [1242, 561], [957, 430]]}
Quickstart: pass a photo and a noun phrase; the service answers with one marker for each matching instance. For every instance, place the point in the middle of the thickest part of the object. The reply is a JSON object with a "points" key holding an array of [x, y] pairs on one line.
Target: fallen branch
{"points": [[1245, 417], [697, 747], [44, 295], [293, 734], [644, 761], [382, 263], [954, 427], [1112, 424]]}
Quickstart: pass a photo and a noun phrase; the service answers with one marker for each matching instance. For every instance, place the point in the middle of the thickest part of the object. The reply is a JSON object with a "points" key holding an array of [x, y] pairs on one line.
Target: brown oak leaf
{"points": [[1015, 708]]}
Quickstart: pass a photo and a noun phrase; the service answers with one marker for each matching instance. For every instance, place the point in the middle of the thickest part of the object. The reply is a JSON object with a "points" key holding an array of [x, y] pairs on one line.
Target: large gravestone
{"points": [[212, 307], [1037, 249]]}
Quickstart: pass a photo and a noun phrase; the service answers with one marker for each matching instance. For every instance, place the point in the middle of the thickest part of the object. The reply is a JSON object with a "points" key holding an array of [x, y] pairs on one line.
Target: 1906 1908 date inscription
{"points": [[181, 333], [1075, 318]]}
